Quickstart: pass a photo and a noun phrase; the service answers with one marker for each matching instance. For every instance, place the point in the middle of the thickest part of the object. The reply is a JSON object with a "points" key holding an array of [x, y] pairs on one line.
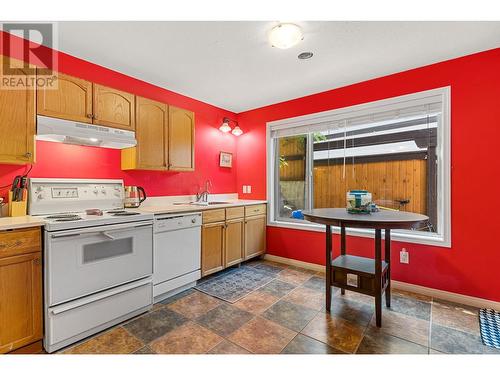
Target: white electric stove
{"points": [[98, 257]]}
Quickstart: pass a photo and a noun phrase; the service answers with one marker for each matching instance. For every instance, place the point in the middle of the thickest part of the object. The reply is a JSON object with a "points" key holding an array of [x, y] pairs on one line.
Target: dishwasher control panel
{"points": [[170, 222]]}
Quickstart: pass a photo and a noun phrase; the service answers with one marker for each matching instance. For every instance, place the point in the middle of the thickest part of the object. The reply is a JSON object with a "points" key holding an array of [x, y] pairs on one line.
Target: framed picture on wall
{"points": [[226, 159]]}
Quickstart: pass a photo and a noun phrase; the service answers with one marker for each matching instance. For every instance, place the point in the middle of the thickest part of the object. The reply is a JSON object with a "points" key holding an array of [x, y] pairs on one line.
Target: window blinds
{"points": [[341, 123]]}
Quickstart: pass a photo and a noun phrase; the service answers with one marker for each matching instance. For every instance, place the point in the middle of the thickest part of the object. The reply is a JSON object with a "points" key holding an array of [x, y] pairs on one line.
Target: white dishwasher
{"points": [[177, 253]]}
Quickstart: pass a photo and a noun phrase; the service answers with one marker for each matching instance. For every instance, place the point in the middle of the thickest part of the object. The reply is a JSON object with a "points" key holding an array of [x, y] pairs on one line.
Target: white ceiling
{"points": [[231, 64]]}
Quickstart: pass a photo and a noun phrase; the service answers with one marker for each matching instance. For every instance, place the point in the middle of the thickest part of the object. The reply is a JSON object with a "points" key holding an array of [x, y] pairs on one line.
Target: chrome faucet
{"points": [[202, 197]]}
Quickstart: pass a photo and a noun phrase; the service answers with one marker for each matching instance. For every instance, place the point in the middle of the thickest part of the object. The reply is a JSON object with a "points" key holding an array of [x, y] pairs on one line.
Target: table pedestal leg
{"points": [[378, 277], [328, 276], [342, 248], [388, 261]]}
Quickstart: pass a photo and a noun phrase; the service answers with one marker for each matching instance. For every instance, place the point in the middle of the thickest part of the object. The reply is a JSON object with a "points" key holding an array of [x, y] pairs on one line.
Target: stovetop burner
{"points": [[64, 216], [72, 218], [125, 213]]}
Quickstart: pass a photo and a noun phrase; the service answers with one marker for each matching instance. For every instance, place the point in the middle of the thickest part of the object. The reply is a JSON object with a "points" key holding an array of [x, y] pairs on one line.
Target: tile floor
{"points": [[288, 316]]}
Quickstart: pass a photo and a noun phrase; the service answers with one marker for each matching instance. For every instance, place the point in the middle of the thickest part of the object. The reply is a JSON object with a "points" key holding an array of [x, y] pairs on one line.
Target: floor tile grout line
{"points": [[429, 340]]}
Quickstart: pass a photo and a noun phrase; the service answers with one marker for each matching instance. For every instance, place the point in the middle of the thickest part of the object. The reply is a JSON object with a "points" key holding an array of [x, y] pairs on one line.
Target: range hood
{"points": [[79, 133]]}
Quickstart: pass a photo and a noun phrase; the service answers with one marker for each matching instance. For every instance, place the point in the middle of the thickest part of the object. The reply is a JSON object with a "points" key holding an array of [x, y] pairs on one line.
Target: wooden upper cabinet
{"points": [[114, 108], [151, 132], [181, 139], [17, 124], [72, 100]]}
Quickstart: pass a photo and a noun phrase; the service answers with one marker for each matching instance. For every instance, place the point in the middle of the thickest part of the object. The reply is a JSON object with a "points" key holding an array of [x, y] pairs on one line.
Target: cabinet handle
{"points": [[36, 261], [27, 155], [90, 115]]}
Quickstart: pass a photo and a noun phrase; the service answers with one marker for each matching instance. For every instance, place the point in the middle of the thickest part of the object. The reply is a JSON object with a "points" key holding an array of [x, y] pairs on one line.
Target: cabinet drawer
{"points": [[235, 212], [72, 321], [20, 241], [212, 216], [257, 209]]}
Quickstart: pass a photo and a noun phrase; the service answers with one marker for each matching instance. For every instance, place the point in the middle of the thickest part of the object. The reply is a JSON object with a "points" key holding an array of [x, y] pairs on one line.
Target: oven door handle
{"points": [[117, 228], [99, 296], [109, 236]]}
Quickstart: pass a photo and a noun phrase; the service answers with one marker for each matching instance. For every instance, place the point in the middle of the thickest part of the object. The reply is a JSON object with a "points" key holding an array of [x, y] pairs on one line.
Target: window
{"points": [[397, 149]]}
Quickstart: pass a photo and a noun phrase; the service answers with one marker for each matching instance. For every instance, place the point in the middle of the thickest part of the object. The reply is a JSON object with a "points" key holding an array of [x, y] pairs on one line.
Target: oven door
{"points": [[80, 262]]}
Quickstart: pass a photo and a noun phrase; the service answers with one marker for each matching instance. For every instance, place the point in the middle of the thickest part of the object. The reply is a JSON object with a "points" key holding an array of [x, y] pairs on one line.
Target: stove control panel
{"points": [[65, 195]]}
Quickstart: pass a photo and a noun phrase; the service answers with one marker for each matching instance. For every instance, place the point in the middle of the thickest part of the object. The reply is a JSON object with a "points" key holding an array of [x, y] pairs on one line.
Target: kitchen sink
{"points": [[200, 203]]}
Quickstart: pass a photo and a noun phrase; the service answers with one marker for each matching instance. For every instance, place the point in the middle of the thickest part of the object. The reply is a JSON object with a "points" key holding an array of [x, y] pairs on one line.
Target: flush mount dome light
{"points": [[285, 35]]}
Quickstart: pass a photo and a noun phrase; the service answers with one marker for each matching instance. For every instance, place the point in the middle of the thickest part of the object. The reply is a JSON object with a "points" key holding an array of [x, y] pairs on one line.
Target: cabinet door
{"points": [[17, 124], [151, 132], [72, 100], [181, 139], [21, 302], [233, 242], [255, 236], [114, 108], [212, 248]]}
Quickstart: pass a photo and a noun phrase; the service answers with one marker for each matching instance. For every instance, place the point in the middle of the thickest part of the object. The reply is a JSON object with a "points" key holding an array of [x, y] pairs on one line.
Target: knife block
{"points": [[17, 208]]}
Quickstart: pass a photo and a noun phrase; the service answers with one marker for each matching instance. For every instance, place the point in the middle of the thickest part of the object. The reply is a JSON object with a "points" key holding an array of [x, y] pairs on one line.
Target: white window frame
{"points": [[443, 151]]}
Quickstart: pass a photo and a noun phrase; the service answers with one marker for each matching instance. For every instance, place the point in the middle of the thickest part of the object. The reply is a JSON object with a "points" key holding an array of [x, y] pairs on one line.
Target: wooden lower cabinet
{"points": [[233, 242], [20, 292], [212, 248], [255, 236], [225, 243]]}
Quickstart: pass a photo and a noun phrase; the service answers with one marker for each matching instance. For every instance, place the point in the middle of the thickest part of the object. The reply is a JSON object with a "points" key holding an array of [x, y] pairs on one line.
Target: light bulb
{"points": [[225, 128], [237, 131]]}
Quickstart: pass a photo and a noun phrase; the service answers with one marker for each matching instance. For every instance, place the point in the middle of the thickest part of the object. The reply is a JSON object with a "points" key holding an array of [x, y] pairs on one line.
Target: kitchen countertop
{"points": [[19, 222], [33, 221], [177, 208]]}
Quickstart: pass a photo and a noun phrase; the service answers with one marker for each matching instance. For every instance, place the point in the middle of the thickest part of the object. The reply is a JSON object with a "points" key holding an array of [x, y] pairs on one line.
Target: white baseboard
{"points": [[434, 293]]}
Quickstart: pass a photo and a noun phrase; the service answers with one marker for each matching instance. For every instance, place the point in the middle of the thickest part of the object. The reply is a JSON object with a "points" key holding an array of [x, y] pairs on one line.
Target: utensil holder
{"points": [[17, 208]]}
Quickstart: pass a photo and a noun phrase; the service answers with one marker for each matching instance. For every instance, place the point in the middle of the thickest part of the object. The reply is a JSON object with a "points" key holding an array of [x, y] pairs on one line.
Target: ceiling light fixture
{"points": [[237, 131], [285, 35], [226, 128]]}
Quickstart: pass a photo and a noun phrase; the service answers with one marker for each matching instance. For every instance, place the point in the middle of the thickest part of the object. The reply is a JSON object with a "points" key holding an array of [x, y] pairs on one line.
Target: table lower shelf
{"points": [[358, 265], [364, 271]]}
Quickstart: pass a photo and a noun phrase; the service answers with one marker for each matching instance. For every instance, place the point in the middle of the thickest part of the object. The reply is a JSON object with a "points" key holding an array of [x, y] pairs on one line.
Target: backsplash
{"points": [[69, 161]]}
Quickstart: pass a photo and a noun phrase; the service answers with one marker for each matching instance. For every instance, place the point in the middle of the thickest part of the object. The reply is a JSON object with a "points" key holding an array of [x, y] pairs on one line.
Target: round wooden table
{"points": [[366, 275]]}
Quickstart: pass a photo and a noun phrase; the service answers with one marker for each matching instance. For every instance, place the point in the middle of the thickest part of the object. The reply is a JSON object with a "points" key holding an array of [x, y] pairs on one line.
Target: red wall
{"points": [[59, 160], [472, 265]]}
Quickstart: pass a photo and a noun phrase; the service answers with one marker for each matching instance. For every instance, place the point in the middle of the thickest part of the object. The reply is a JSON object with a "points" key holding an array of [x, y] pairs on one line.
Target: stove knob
{"points": [[193, 221], [96, 192], [103, 191]]}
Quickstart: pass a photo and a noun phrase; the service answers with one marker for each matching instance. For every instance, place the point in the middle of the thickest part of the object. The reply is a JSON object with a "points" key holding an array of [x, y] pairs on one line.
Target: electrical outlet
{"points": [[249, 189], [404, 256], [244, 189], [352, 280]]}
